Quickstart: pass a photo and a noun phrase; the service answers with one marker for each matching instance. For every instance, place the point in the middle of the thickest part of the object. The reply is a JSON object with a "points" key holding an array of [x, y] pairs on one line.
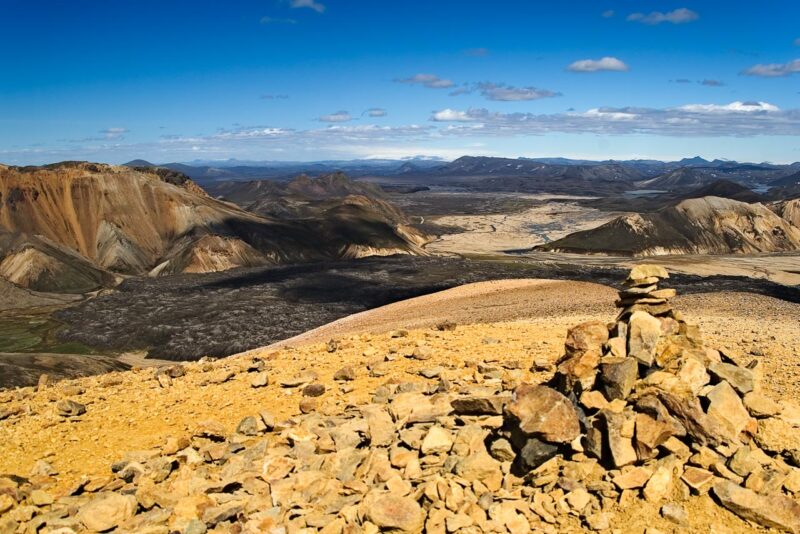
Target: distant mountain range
{"points": [[532, 175]]}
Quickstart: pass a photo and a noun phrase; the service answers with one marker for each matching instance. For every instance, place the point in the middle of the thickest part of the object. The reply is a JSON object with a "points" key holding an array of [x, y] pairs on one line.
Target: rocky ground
{"points": [[405, 428]]}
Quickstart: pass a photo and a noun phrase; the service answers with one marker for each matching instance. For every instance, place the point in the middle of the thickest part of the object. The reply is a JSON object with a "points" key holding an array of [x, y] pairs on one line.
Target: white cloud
{"points": [[711, 83], [736, 119], [677, 16], [273, 20], [774, 70], [608, 13], [733, 107], [339, 116], [376, 112], [607, 63], [797, 42], [311, 4], [507, 93], [451, 115], [431, 81], [607, 114]]}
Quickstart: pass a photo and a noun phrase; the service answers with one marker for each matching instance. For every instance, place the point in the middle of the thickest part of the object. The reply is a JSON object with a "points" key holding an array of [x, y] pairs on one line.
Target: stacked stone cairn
{"points": [[639, 410], [661, 412]]}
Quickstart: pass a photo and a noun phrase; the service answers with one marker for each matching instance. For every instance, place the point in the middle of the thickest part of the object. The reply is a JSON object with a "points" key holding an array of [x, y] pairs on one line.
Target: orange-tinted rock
{"points": [[589, 336], [546, 413]]}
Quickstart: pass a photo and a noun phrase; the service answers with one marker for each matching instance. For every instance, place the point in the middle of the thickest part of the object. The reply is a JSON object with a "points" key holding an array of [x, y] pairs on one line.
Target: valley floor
{"points": [[499, 233]]}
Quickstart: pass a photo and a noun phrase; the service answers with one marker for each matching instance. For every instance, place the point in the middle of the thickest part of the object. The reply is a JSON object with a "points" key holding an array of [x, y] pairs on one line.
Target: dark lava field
{"points": [[185, 317]]}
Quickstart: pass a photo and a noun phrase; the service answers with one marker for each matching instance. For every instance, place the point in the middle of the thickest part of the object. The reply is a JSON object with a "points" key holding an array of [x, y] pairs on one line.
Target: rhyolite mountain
{"points": [[344, 210], [66, 227], [789, 210], [708, 225]]}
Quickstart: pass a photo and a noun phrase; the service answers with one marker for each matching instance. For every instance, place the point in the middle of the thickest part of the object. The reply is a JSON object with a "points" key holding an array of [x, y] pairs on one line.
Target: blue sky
{"points": [[338, 79]]}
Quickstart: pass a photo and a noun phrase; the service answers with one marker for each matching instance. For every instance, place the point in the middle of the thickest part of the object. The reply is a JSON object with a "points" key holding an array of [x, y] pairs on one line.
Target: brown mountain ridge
{"points": [[62, 226], [707, 225]]}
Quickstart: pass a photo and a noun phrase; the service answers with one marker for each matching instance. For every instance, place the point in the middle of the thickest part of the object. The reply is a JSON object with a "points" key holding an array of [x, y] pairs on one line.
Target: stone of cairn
{"points": [[662, 414]]}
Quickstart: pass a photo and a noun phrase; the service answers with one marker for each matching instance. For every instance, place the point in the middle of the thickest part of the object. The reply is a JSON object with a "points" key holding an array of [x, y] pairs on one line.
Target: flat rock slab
{"points": [[740, 378], [646, 271], [776, 511]]}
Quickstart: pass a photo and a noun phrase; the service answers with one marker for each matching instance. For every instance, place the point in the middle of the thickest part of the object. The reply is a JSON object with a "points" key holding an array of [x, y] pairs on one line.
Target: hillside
{"points": [[708, 225], [682, 178], [77, 221], [724, 189], [507, 167], [790, 210], [15, 297], [792, 179], [382, 431], [303, 196], [354, 214], [36, 262]]}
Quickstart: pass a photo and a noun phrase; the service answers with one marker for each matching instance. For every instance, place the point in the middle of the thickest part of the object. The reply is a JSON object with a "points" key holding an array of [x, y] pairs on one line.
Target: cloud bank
{"points": [[736, 119]]}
